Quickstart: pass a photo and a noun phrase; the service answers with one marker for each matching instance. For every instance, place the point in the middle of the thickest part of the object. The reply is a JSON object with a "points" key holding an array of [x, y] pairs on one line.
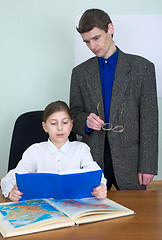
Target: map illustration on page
{"points": [[38, 215]]}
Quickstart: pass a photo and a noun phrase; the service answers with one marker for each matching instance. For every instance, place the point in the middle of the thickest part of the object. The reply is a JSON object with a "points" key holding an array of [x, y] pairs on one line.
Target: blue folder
{"points": [[50, 185]]}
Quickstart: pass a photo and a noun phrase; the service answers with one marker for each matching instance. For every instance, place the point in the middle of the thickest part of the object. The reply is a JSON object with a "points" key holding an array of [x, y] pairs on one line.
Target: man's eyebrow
{"points": [[96, 36]]}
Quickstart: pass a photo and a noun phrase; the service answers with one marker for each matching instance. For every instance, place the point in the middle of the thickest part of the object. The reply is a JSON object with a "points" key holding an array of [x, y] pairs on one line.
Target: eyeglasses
{"points": [[109, 126]]}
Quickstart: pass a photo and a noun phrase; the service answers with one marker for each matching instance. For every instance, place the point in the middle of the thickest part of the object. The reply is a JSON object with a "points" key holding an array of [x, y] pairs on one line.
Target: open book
{"points": [[44, 214]]}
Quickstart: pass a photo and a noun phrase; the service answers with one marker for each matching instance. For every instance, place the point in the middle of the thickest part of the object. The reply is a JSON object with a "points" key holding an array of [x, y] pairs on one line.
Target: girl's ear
{"points": [[44, 126]]}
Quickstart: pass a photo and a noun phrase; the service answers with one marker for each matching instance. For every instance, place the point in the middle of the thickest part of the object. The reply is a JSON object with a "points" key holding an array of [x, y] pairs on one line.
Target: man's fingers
{"points": [[94, 122]]}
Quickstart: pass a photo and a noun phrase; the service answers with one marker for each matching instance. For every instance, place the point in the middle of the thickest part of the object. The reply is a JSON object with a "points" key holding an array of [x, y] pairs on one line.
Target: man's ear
{"points": [[110, 29], [44, 127]]}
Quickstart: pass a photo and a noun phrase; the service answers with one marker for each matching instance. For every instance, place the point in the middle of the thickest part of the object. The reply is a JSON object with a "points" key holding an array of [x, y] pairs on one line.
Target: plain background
{"points": [[37, 55]]}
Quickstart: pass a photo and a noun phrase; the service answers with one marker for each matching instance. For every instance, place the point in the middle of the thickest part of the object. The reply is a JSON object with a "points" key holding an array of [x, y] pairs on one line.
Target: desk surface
{"points": [[145, 225]]}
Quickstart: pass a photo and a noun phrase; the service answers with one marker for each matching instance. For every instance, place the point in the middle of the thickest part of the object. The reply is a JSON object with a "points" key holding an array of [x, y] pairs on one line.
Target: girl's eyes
{"points": [[65, 122], [56, 123]]}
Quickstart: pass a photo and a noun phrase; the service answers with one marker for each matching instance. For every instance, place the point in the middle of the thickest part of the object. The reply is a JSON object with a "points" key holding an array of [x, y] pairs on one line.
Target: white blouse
{"points": [[46, 157]]}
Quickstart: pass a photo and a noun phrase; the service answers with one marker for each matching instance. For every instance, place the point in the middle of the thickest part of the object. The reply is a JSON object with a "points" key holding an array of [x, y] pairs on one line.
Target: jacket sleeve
{"points": [[148, 160]]}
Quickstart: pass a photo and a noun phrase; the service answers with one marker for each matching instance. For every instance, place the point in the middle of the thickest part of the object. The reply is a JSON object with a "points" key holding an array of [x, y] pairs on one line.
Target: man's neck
{"points": [[111, 51]]}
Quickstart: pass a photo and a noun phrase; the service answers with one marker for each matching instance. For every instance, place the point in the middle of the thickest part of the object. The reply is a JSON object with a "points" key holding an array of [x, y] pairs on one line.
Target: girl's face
{"points": [[58, 126]]}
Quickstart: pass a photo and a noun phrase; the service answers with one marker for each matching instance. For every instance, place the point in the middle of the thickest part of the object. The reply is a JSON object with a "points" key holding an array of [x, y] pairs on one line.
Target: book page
{"points": [[75, 208], [28, 214]]}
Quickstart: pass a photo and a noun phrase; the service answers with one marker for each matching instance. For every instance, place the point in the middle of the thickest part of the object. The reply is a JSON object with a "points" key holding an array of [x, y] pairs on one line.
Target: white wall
{"points": [[37, 55]]}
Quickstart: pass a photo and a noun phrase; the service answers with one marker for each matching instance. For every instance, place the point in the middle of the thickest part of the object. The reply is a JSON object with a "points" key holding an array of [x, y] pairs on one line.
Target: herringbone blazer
{"points": [[136, 149]]}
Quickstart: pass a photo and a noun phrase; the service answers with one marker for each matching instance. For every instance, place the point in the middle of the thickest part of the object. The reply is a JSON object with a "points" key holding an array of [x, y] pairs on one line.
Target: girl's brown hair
{"points": [[56, 106]]}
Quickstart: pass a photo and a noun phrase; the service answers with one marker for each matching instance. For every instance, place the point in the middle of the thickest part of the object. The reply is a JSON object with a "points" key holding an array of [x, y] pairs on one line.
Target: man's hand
{"points": [[94, 122], [15, 194], [145, 179], [100, 192]]}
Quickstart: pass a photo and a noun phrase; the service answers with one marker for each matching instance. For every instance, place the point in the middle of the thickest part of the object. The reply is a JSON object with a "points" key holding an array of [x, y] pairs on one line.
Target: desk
{"points": [[145, 225]]}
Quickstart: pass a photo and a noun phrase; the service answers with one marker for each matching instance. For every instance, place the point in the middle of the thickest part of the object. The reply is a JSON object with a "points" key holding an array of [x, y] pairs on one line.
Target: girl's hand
{"points": [[100, 192], [15, 194]]}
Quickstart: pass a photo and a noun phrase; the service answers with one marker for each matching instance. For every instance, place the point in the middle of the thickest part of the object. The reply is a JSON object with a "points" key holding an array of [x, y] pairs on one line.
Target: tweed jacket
{"points": [[135, 150]]}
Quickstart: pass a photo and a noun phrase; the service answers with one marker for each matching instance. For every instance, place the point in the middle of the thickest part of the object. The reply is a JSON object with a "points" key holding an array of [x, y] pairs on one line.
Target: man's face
{"points": [[100, 42]]}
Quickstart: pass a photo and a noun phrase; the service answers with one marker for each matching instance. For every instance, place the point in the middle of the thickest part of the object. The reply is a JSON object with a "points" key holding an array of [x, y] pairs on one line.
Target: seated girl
{"points": [[56, 155]]}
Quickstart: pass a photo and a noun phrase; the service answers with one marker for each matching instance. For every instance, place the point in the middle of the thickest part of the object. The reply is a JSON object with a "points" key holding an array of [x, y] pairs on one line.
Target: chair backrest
{"points": [[27, 131]]}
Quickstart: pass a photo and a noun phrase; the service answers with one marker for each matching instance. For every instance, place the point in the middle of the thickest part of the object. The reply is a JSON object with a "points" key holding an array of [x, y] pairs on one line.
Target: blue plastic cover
{"points": [[50, 185]]}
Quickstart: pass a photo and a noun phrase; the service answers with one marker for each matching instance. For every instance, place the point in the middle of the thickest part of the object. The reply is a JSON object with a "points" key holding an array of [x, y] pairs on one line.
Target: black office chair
{"points": [[27, 130]]}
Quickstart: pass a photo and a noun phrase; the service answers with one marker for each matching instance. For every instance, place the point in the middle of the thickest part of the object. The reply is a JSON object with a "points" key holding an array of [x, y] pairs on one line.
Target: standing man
{"points": [[113, 102]]}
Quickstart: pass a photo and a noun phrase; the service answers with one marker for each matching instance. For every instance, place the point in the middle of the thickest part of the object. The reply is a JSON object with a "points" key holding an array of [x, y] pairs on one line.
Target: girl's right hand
{"points": [[15, 194]]}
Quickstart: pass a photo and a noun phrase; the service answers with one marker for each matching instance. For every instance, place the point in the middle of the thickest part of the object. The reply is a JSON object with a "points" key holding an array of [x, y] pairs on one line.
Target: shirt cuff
{"points": [[87, 130]]}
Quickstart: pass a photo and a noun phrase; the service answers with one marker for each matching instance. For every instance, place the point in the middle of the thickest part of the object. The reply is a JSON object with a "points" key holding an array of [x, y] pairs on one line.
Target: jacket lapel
{"points": [[94, 85], [120, 84]]}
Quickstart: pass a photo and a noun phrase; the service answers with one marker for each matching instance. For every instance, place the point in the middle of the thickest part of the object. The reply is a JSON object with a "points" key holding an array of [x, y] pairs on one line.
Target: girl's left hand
{"points": [[100, 192]]}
